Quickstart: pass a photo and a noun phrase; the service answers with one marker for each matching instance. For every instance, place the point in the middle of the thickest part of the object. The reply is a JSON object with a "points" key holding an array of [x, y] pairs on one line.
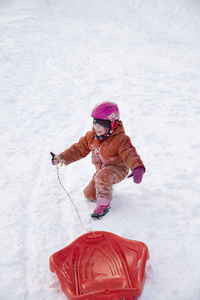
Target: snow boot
{"points": [[102, 207]]}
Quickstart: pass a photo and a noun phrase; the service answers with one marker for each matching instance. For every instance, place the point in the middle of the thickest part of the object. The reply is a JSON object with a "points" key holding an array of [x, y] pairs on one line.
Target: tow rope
{"points": [[61, 164]]}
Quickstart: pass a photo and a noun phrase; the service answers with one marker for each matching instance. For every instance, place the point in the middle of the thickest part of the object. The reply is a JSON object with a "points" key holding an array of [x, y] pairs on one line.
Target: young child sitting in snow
{"points": [[112, 154]]}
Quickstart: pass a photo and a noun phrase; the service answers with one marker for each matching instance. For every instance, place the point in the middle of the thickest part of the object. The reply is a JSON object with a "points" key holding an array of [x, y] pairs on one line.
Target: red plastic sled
{"points": [[102, 267]]}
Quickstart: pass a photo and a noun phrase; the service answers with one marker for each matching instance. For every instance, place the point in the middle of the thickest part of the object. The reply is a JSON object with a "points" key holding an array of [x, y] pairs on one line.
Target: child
{"points": [[112, 155]]}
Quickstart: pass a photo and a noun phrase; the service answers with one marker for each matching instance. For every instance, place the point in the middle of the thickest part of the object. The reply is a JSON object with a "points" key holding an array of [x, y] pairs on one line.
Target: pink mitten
{"points": [[55, 160], [137, 174]]}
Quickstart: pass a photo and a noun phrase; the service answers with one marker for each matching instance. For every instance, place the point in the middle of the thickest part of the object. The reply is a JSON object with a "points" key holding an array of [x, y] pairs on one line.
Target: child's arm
{"points": [[76, 151], [129, 154]]}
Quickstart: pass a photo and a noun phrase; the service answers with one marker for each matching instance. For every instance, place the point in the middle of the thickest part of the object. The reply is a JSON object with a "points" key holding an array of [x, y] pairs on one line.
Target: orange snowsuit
{"points": [[112, 159]]}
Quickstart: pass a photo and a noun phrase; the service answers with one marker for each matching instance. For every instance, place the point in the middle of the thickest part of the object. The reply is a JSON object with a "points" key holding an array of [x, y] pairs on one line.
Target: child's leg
{"points": [[90, 191], [106, 177]]}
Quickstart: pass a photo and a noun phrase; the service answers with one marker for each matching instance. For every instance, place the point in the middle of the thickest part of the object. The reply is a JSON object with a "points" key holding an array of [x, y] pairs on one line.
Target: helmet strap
{"points": [[101, 137], [113, 125]]}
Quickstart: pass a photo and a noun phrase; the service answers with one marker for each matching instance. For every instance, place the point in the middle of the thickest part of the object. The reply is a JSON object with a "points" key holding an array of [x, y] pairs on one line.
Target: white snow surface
{"points": [[57, 60]]}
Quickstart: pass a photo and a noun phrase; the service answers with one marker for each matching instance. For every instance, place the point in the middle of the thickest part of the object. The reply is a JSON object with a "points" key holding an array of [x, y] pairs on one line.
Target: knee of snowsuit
{"points": [[103, 181]]}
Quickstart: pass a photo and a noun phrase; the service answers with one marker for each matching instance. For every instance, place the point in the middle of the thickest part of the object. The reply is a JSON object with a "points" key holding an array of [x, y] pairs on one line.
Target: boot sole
{"points": [[99, 216]]}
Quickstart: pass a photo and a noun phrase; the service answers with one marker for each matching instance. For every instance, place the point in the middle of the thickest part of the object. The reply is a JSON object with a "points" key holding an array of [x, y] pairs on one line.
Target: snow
{"points": [[57, 60]]}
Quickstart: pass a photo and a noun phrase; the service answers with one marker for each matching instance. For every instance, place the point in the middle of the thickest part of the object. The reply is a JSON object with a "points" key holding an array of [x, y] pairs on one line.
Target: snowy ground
{"points": [[57, 60]]}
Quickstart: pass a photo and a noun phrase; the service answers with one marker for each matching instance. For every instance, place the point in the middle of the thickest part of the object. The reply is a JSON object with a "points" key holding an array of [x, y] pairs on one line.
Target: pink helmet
{"points": [[106, 111]]}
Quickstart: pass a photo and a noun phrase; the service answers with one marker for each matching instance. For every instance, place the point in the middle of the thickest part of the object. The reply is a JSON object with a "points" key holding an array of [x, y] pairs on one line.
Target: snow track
{"points": [[57, 60]]}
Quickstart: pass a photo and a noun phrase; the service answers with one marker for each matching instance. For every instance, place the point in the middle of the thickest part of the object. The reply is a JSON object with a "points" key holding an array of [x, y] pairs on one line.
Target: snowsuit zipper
{"points": [[97, 152]]}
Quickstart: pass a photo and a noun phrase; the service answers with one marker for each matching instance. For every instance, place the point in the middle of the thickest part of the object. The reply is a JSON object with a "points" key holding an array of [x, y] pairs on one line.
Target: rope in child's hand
{"points": [[72, 202]]}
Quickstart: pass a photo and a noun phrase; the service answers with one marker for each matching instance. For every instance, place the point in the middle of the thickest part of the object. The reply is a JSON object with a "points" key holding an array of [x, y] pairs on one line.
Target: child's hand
{"points": [[55, 160], [137, 175]]}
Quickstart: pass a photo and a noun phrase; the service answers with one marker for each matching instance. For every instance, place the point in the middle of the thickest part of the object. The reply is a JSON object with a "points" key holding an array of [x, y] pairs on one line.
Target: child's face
{"points": [[99, 129]]}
